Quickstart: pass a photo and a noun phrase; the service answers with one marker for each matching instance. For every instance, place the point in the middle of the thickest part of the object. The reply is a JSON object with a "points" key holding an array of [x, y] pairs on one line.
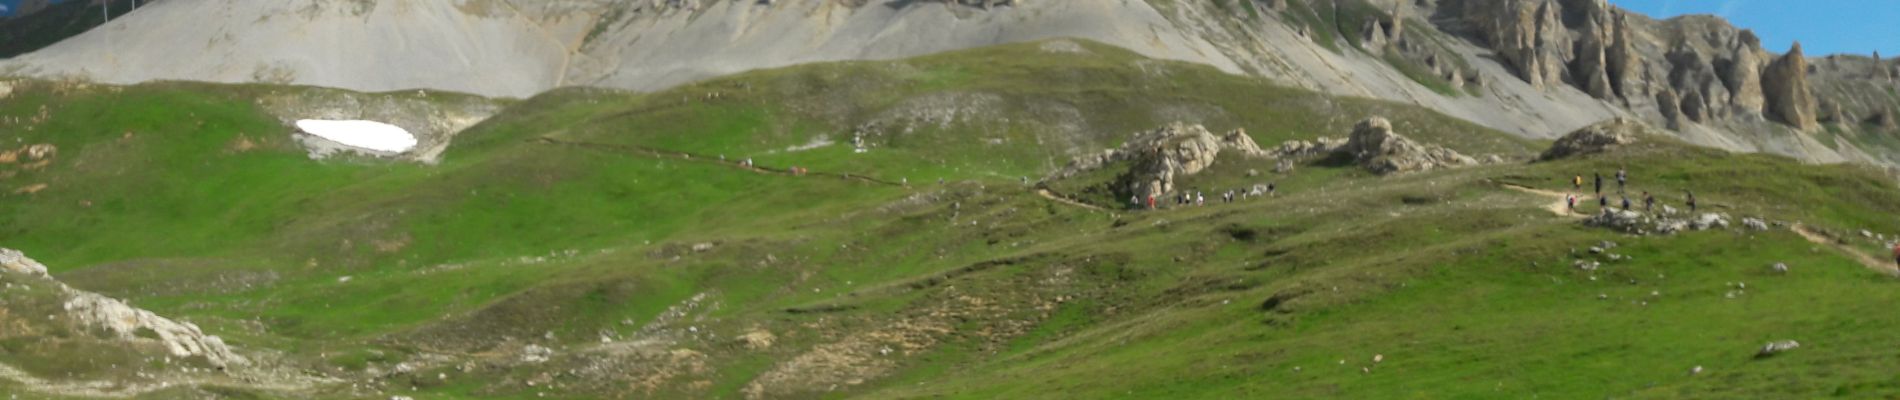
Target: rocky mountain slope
{"points": [[1537, 68]]}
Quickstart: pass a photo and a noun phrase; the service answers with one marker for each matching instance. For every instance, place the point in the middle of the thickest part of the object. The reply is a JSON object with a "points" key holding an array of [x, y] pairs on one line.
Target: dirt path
{"points": [[659, 153], [1864, 259], [1559, 204], [1045, 193]]}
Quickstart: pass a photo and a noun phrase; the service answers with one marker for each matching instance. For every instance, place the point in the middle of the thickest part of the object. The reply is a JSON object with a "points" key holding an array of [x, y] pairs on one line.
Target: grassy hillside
{"points": [[618, 232]]}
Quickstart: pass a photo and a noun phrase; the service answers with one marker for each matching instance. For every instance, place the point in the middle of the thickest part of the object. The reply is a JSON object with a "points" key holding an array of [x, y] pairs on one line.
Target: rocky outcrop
{"points": [[1159, 157], [1376, 147], [13, 261], [1528, 35], [130, 323], [123, 322], [1594, 139], [1742, 73], [1789, 99]]}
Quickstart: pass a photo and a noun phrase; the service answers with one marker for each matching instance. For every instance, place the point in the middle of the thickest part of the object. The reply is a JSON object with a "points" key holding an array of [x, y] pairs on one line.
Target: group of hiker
{"points": [[1622, 181], [1199, 198]]}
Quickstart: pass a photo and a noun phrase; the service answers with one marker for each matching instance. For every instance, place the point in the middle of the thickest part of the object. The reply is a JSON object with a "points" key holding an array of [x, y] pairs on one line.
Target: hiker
{"points": [[1691, 201], [1896, 254], [1134, 201], [1577, 182], [1621, 177], [1571, 199], [905, 181], [1200, 199], [1649, 202], [1151, 202], [1603, 202], [1599, 183], [1626, 203]]}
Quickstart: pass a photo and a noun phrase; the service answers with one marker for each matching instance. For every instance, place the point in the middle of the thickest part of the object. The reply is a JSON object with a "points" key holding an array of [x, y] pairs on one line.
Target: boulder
{"points": [[1754, 224], [16, 262], [1781, 268], [1594, 139], [1376, 147], [1785, 87], [1708, 221], [1776, 347]]}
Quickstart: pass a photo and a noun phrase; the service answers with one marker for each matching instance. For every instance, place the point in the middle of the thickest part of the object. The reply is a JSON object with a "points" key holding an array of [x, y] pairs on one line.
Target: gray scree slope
{"points": [[518, 48]]}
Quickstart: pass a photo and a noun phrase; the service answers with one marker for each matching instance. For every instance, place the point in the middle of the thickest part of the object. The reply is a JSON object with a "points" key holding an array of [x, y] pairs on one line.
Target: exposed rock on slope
{"points": [[123, 322], [1374, 145], [1789, 98], [1595, 139], [1161, 156], [13, 261]]}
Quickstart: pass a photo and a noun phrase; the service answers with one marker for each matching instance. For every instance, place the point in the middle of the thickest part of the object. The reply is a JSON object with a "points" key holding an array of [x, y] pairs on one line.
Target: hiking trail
{"points": [[1047, 194], [1559, 206], [1857, 255]]}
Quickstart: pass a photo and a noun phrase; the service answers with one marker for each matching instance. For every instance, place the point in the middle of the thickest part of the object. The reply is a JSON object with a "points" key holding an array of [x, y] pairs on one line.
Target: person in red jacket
{"points": [[1896, 254]]}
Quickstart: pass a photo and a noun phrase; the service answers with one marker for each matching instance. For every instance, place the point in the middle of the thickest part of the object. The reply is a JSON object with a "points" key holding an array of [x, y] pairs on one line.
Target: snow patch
{"points": [[370, 135]]}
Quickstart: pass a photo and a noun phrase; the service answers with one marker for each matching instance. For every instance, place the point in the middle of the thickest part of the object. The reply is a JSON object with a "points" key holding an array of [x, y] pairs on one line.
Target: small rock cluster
{"points": [[1376, 147], [1637, 223]]}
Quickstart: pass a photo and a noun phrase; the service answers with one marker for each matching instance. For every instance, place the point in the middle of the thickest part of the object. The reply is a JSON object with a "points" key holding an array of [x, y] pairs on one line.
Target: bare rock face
{"points": [[13, 261], [1885, 120], [1161, 156], [1529, 36], [1376, 147], [1743, 73], [1594, 139], [1670, 105], [1789, 99]]}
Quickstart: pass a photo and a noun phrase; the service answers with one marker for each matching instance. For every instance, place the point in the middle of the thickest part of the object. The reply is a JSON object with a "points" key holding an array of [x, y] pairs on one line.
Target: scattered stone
{"points": [[1780, 268], [1755, 224], [758, 339], [1777, 347], [1696, 371], [536, 354], [702, 247], [1586, 265]]}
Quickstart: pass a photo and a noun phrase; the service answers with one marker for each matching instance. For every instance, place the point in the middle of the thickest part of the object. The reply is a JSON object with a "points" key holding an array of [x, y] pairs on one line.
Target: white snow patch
{"points": [[369, 135]]}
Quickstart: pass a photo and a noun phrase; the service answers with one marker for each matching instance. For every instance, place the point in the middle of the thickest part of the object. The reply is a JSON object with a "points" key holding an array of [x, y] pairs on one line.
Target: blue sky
{"points": [[1822, 26]]}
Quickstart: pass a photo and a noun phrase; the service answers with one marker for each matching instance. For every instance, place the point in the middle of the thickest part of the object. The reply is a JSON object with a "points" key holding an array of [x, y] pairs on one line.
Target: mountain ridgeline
{"points": [[1537, 68]]}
